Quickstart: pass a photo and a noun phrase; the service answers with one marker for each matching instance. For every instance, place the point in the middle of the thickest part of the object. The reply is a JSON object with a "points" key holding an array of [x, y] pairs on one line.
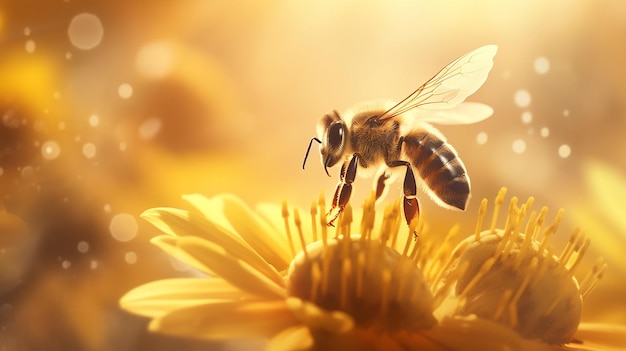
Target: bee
{"points": [[386, 135]]}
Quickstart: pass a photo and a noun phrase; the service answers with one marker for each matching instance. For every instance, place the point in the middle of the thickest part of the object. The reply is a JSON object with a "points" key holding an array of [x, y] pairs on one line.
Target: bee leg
{"points": [[344, 189], [381, 184], [411, 204]]}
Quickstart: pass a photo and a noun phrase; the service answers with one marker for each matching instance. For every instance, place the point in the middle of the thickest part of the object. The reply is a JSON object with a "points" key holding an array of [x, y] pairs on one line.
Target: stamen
{"points": [[368, 218], [285, 212], [415, 250], [549, 232], [346, 269], [496, 209], [529, 203], [346, 222], [530, 225], [316, 278], [385, 227], [484, 269], [525, 250], [456, 254], [346, 246], [442, 292], [360, 273], [568, 250], [326, 262], [544, 265], [321, 203], [395, 224], [313, 221], [586, 281], [401, 273], [502, 304], [298, 222], [539, 223], [384, 291], [425, 254], [511, 221], [434, 263], [412, 227], [592, 279], [514, 234], [513, 312], [482, 210], [580, 253]]}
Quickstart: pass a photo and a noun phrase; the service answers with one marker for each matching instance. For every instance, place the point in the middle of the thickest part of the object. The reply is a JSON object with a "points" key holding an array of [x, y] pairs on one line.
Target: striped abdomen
{"points": [[439, 166]]}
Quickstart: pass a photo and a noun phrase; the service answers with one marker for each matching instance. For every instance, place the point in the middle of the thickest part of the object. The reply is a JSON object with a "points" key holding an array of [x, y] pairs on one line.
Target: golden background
{"points": [[225, 98]]}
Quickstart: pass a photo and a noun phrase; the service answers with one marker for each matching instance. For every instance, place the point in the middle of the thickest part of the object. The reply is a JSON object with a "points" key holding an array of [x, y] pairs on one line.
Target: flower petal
{"points": [[267, 241], [291, 339], [169, 245], [228, 320], [166, 219], [163, 296], [237, 272], [472, 333], [211, 208], [605, 337], [314, 317], [184, 223], [609, 188], [271, 213]]}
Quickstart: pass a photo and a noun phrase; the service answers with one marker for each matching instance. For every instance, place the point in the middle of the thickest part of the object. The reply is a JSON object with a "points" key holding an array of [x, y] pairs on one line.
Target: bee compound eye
{"points": [[335, 135]]}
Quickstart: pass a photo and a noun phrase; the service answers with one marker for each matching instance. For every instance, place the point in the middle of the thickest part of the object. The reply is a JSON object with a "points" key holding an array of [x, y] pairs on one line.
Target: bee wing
{"points": [[463, 113], [450, 86]]}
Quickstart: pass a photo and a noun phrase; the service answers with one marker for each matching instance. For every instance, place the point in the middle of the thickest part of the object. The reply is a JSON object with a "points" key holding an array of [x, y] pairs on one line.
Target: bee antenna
{"points": [[309, 149]]}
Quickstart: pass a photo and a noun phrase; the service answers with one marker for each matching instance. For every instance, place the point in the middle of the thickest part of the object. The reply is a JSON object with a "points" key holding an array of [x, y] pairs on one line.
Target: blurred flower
{"points": [[601, 213], [17, 245], [497, 290]]}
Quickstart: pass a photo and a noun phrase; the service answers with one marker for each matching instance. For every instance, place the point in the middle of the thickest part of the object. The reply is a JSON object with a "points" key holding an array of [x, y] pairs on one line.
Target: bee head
{"points": [[333, 134]]}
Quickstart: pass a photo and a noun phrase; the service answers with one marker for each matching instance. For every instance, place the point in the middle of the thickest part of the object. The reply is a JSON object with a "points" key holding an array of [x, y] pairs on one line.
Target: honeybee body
{"points": [[423, 146], [372, 134]]}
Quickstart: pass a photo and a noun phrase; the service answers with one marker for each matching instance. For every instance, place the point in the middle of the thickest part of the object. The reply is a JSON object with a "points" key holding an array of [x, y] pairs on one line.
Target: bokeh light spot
{"points": [[149, 128], [94, 120], [83, 247], [522, 98], [85, 31], [89, 150], [123, 227], [30, 46], [50, 150], [519, 146], [565, 151], [130, 257], [527, 117], [125, 90], [155, 60], [481, 138], [542, 65]]}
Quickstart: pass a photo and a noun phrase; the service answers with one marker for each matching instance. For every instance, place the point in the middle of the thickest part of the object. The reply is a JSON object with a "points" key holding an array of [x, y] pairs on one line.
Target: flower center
{"points": [[373, 283], [515, 279]]}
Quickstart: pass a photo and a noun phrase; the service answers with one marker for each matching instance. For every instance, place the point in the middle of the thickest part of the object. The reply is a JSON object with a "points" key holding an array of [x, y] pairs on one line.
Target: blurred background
{"points": [[111, 107]]}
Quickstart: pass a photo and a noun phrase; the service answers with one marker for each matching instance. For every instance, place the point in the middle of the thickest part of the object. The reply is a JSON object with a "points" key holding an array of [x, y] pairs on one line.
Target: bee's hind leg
{"points": [[344, 189], [411, 204]]}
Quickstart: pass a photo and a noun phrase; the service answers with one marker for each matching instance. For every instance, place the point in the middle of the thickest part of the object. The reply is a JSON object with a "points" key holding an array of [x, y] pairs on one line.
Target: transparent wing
{"points": [[451, 86], [463, 113]]}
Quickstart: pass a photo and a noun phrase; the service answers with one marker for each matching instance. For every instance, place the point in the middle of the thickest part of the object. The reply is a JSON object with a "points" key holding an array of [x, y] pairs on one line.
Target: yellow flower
{"points": [[307, 287]]}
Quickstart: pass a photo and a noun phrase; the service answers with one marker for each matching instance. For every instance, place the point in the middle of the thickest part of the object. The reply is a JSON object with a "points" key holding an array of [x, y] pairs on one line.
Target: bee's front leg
{"points": [[344, 189]]}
